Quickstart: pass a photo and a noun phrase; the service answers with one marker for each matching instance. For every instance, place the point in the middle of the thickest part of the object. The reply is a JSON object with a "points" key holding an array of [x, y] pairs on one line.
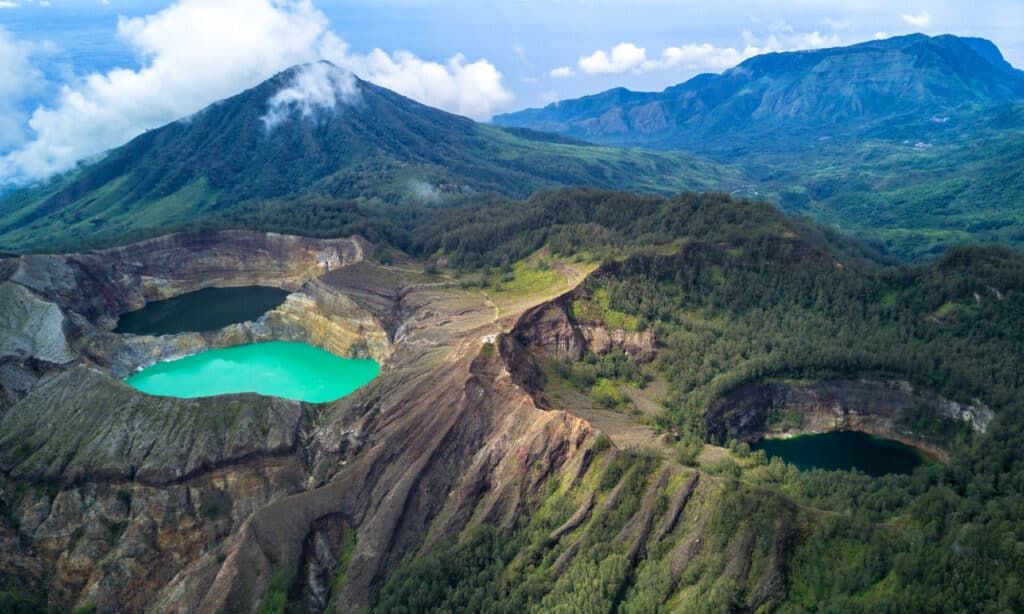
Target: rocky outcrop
{"points": [[84, 426], [547, 331], [56, 310], [115, 544], [33, 344], [103, 284], [601, 340], [30, 327], [883, 408], [332, 323]]}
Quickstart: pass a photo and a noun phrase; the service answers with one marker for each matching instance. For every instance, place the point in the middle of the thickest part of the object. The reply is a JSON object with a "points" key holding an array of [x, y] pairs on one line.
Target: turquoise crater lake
{"points": [[296, 371]]}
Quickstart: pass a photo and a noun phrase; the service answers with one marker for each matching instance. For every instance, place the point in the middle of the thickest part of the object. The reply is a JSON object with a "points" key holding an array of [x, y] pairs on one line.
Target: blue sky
{"points": [[86, 75]]}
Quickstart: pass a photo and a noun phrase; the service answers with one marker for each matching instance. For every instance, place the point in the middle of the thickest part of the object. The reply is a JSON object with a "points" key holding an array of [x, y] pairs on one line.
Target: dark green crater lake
{"points": [[296, 371], [200, 311], [845, 450]]}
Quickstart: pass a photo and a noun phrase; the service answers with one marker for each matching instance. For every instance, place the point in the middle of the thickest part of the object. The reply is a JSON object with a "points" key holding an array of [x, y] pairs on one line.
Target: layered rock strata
{"points": [[128, 502]]}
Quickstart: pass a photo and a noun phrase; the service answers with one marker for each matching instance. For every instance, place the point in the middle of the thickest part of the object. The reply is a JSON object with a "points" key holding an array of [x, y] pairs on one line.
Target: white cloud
{"points": [[627, 57], [881, 36], [19, 80], [923, 20], [423, 192], [562, 71], [520, 53], [700, 57], [314, 87], [189, 60], [7, 4], [624, 57], [474, 89]]}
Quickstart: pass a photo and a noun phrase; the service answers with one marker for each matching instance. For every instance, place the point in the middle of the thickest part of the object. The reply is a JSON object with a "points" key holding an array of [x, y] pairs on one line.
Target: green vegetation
{"points": [[488, 570], [754, 296], [785, 419], [735, 292], [13, 601], [341, 568], [780, 313], [383, 153], [912, 203], [596, 308], [592, 370], [276, 599], [912, 143], [607, 395]]}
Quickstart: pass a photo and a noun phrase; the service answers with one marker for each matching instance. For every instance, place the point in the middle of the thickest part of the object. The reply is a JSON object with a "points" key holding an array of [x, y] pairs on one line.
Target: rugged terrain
{"points": [[122, 500], [568, 382], [137, 502], [793, 98]]}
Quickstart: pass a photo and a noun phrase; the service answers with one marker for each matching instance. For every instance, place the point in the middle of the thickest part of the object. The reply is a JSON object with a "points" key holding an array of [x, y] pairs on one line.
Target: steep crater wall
{"points": [[886, 408], [62, 308]]}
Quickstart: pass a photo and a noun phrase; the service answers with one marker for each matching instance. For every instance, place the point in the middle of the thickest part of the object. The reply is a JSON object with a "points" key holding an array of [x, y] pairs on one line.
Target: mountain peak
{"points": [[796, 94], [318, 131], [308, 89]]}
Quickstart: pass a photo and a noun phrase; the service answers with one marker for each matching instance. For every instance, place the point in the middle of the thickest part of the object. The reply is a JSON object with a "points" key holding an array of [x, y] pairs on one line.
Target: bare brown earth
{"points": [[129, 502], [126, 502]]}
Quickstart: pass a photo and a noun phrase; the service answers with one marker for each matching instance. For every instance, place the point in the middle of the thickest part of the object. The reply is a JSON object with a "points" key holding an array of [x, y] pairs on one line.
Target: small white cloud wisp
{"points": [[424, 192], [314, 87], [921, 20]]}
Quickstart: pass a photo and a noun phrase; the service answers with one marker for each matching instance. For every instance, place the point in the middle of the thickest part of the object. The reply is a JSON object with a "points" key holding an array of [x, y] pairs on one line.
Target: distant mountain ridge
{"points": [[913, 142], [781, 99], [369, 142]]}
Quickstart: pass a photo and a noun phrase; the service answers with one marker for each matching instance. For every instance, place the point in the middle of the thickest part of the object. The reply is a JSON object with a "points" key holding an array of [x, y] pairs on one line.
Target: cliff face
{"points": [[144, 503], [883, 408], [601, 339], [548, 331]]}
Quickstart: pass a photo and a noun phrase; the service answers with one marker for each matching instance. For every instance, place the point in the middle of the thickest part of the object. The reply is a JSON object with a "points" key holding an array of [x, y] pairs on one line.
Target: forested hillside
{"points": [[368, 143], [911, 143], [736, 293]]}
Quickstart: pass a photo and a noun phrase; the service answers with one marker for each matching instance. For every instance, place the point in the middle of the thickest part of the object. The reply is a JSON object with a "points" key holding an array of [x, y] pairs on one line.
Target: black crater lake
{"points": [[846, 450], [200, 311]]}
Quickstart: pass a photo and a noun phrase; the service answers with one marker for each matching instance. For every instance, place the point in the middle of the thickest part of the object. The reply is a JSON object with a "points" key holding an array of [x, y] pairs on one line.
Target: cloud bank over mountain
{"points": [[190, 58], [628, 57]]}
